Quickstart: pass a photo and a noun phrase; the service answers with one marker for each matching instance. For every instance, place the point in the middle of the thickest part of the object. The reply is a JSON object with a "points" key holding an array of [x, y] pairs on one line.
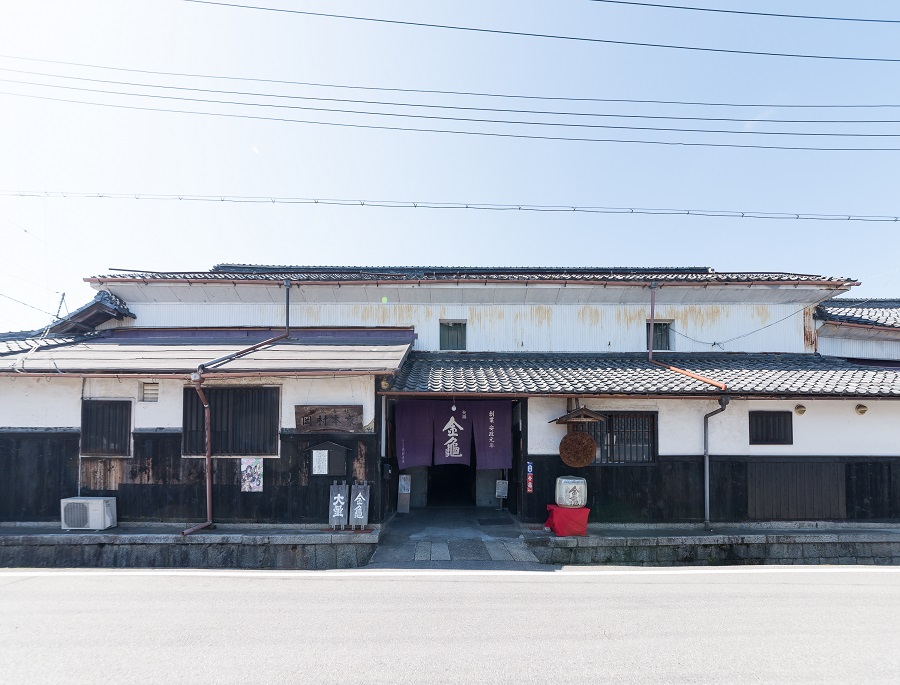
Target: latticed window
{"points": [[106, 428], [771, 428], [453, 335], [244, 421], [624, 438], [661, 338]]}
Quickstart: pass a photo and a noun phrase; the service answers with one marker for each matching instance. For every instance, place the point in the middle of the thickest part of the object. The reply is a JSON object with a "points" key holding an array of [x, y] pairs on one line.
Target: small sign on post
{"points": [[403, 494], [337, 505], [529, 478], [359, 505], [502, 491]]}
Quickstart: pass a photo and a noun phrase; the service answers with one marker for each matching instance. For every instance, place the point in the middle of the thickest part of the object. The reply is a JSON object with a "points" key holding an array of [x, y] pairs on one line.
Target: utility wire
{"points": [[488, 134], [30, 306], [408, 204], [434, 106], [468, 120], [457, 92], [607, 41], [746, 12]]}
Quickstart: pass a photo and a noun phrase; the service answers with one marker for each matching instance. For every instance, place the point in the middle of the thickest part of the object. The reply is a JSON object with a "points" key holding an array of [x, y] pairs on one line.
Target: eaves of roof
{"points": [[613, 375]]}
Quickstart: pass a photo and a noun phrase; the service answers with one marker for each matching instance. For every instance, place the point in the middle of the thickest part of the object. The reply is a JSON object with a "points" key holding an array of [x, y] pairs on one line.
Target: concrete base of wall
{"points": [[102, 550], [708, 550]]}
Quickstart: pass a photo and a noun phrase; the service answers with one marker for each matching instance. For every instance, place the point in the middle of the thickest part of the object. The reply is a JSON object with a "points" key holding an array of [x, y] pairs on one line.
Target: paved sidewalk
{"points": [[473, 538]]}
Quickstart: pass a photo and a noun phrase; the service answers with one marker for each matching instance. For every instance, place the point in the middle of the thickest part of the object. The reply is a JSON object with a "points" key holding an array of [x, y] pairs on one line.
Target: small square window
{"points": [[661, 338], [149, 392], [771, 428], [453, 335], [106, 428]]}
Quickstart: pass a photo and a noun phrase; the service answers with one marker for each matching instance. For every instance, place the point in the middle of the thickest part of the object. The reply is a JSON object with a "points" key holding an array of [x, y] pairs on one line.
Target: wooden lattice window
{"points": [[244, 421], [106, 428]]}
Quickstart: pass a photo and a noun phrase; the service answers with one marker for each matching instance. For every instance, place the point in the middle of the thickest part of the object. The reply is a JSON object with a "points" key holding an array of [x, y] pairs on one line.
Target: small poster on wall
{"points": [[251, 475]]}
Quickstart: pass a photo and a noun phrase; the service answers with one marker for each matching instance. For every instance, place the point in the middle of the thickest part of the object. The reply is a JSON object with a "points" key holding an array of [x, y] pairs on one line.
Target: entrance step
{"points": [[512, 551]]}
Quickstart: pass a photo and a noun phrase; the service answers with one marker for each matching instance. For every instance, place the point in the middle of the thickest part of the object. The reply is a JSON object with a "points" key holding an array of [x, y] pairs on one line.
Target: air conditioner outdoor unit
{"points": [[88, 513]]}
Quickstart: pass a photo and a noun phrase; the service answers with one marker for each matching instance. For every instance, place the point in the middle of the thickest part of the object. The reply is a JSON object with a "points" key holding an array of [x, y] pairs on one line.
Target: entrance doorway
{"points": [[451, 485]]}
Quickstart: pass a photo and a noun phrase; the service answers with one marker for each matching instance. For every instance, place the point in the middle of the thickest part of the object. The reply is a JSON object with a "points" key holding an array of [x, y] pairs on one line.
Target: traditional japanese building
{"points": [[703, 395]]}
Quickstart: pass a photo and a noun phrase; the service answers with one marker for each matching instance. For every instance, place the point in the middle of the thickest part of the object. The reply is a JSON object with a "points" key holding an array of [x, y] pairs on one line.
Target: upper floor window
{"points": [[106, 428], [661, 335], [771, 428], [243, 421], [453, 335]]}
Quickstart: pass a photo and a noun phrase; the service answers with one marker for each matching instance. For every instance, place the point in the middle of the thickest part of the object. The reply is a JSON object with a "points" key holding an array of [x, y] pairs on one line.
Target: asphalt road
{"points": [[729, 625]]}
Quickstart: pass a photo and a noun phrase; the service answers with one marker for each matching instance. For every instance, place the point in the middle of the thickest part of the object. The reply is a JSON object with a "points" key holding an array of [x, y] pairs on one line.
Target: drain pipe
{"points": [[723, 404], [197, 379], [653, 287]]}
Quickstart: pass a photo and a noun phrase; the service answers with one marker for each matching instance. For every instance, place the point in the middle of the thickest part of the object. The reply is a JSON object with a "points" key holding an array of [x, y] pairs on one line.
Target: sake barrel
{"points": [[571, 491]]}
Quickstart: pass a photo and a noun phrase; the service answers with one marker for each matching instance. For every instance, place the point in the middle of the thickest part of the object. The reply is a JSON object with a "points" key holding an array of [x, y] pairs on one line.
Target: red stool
{"points": [[567, 520]]}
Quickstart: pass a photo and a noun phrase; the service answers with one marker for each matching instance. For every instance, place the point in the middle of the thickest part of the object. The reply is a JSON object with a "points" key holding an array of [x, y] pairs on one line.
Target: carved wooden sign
{"points": [[329, 418]]}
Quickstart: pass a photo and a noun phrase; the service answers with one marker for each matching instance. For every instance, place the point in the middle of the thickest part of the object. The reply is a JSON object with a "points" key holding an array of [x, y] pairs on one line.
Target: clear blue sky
{"points": [[50, 244]]}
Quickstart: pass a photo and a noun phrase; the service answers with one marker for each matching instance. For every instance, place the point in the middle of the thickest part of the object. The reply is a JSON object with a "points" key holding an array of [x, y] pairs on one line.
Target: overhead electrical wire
{"points": [[385, 103], [526, 34], [719, 10], [426, 91], [468, 120], [411, 204], [488, 134]]}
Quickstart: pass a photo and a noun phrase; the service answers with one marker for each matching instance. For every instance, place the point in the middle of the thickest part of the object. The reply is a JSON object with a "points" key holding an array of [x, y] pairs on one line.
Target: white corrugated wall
{"points": [[521, 327]]}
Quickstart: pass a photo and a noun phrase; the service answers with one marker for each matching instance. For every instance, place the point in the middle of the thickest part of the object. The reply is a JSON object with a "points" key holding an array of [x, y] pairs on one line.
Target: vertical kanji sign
{"points": [[359, 505], [338, 507]]}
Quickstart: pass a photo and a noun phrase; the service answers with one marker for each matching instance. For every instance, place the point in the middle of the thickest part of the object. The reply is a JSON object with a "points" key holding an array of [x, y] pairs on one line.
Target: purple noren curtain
{"points": [[414, 433], [492, 423], [452, 433]]}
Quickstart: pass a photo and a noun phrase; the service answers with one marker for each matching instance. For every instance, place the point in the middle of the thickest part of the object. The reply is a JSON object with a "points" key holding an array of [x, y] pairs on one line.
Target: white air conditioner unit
{"points": [[88, 513]]}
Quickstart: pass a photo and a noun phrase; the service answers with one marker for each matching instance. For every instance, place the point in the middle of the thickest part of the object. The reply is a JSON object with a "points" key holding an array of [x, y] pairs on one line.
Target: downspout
{"points": [[653, 287], [197, 378], [723, 404]]}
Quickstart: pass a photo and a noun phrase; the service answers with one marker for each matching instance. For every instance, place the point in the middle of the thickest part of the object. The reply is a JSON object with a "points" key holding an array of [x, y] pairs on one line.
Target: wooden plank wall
{"points": [[741, 489], [158, 484], [36, 471]]}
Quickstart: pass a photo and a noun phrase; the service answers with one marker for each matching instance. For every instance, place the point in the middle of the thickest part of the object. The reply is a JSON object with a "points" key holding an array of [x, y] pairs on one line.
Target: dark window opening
{"points": [[453, 335], [106, 428], [771, 428], [624, 438], [661, 338], [244, 421]]}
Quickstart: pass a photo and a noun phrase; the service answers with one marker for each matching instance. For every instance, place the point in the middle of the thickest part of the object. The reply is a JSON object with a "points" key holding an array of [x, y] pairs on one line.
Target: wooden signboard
{"points": [[328, 459], [338, 506], [329, 418], [359, 505]]}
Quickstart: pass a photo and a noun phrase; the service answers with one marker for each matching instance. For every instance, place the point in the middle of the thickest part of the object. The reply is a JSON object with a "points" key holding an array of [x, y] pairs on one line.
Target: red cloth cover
{"points": [[567, 521]]}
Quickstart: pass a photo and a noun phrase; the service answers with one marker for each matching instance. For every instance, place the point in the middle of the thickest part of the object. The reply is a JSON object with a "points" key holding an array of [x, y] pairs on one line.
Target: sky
{"points": [[69, 158]]}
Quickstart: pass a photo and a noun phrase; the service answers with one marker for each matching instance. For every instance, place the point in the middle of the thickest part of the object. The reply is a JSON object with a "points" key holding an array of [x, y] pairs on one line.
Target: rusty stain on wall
{"points": [[809, 330], [627, 316], [697, 315], [589, 315], [763, 313]]}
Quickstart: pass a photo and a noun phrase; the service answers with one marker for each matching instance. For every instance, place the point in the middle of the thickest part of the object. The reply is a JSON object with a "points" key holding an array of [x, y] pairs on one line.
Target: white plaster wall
{"points": [[56, 402], [828, 428], [520, 327], [40, 402]]}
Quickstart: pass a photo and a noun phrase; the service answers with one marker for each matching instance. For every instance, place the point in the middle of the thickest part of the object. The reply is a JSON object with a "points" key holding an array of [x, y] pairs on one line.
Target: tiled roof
{"points": [[632, 374], [16, 343], [325, 274], [880, 313]]}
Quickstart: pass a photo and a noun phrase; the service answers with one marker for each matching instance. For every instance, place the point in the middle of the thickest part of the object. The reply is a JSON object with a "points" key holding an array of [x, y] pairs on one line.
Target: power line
{"points": [[488, 134], [410, 204], [30, 306], [606, 41], [746, 12], [456, 92], [468, 120], [432, 106]]}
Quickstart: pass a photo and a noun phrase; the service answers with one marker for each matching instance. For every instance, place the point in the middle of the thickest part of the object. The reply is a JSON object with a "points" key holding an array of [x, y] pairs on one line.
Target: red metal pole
{"points": [[198, 386]]}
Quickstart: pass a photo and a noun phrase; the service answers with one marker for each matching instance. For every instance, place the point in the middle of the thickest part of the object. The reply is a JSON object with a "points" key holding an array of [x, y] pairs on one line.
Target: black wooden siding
{"points": [[158, 484]]}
